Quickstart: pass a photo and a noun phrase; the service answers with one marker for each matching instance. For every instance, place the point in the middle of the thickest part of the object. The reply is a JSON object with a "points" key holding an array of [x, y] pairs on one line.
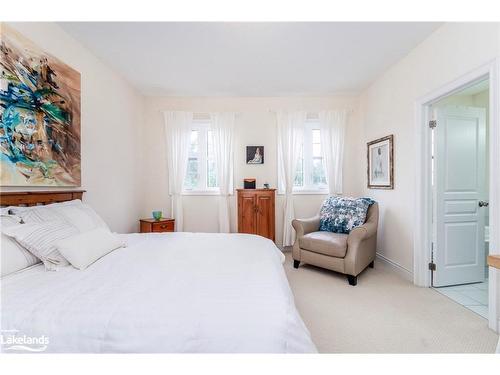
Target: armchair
{"points": [[349, 253]]}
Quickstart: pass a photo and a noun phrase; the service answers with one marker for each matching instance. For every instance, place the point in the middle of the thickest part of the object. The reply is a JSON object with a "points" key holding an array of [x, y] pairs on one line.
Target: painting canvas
{"points": [[255, 154], [380, 163], [39, 116]]}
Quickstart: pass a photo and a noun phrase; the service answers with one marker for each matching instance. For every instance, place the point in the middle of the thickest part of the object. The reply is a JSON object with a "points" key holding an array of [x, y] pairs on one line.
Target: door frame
{"points": [[423, 203]]}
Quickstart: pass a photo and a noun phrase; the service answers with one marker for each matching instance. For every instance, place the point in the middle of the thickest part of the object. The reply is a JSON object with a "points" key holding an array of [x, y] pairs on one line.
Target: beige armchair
{"points": [[349, 253]]}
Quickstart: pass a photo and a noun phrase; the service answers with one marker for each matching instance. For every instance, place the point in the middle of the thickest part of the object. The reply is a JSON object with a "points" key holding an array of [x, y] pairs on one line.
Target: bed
{"points": [[168, 292]]}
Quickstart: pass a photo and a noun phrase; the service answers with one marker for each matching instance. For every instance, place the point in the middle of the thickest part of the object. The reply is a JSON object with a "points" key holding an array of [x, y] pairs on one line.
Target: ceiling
{"points": [[249, 59]]}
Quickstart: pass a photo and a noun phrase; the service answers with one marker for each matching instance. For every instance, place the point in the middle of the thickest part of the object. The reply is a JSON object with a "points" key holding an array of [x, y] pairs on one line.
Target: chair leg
{"points": [[353, 280], [372, 264], [296, 263]]}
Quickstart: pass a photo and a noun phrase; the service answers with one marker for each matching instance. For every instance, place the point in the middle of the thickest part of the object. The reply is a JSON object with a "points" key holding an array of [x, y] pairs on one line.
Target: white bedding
{"points": [[175, 292]]}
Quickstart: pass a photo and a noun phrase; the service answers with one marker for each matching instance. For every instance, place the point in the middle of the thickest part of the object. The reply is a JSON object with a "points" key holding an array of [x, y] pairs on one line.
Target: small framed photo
{"points": [[381, 163], [255, 154]]}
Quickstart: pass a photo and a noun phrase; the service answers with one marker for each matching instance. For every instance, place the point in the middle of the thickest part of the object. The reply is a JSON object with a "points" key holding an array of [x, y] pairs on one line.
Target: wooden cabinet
{"points": [[152, 225], [256, 212]]}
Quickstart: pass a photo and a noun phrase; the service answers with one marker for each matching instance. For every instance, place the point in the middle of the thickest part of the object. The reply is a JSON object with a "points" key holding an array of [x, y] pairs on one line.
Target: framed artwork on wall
{"points": [[380, 169], [255, 154], [39, 116]]}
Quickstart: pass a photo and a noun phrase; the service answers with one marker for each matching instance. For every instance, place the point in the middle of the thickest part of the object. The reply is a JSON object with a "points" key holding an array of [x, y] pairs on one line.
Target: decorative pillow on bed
{"points": [[74, 212], [84, 249], [40, 239], [343, 214], [13, 257]]}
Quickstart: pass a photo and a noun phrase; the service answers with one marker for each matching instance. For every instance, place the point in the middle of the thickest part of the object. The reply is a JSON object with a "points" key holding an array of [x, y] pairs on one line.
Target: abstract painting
{"points": [[381, 163], [39, 116]]}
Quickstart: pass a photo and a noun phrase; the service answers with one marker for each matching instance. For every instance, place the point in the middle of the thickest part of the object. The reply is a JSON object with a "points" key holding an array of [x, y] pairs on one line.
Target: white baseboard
{"points": [[400, 270]]}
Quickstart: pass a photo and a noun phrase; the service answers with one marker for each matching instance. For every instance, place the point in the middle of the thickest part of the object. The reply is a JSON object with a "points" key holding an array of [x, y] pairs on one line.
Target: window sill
{"points": [[308, 192], [201, 192]]}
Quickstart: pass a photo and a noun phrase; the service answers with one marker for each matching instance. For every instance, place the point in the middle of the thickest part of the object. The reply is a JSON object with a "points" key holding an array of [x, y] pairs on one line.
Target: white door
{"points": [[460, 186]]}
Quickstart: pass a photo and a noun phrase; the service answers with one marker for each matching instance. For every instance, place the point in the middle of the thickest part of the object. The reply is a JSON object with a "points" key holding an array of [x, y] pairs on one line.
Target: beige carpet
{"points": [[383, 314]]}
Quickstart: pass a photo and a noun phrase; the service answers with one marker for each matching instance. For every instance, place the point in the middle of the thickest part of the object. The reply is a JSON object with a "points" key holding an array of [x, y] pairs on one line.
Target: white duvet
{"points": [[175, 292]]}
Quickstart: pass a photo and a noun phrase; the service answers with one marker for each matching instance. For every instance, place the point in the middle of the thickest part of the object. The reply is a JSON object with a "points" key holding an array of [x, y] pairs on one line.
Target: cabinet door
{"points": [[246, 217], [265, 215]]}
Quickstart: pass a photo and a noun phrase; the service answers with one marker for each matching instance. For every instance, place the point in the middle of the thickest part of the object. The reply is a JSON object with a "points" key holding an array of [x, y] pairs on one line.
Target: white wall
{"points": [[255, 125], [111, 129], [388, 107]]}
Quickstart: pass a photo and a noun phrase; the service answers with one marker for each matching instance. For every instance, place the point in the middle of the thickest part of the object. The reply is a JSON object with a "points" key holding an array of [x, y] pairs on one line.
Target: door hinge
{"points": [[432, 266], [432, 124]]}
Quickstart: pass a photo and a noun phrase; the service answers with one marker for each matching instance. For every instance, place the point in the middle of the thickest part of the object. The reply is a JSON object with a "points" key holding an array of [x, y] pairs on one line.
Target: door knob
{"points": [[483, 204]]}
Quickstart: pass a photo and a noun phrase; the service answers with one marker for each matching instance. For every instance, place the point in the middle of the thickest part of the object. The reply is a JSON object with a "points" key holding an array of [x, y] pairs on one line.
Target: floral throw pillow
{"points": [[343, 214]]}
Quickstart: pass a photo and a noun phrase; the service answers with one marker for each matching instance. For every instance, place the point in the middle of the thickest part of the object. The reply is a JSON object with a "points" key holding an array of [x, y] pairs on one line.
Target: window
{"points": [[201, 173], [310, 171]]}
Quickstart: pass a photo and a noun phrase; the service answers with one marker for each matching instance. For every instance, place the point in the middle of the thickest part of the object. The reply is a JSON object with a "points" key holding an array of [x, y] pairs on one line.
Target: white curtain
{"points": [[290, 138], [178, 135], [332, 126], [223, 142]]}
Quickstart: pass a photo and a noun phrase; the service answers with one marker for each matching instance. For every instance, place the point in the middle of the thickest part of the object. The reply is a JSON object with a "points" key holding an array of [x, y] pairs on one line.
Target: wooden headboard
{"points": [[33, 198]]}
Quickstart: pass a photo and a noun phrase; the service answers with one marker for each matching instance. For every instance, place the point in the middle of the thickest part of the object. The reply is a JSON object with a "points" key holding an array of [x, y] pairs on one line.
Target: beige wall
{"points": [[111, 129], [388, 107], [255, 125]]}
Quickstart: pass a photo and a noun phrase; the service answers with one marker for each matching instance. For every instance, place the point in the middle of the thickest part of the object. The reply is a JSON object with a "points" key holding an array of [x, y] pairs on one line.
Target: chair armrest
{"points": [[305, 226], [362, 232], [361, 248]]}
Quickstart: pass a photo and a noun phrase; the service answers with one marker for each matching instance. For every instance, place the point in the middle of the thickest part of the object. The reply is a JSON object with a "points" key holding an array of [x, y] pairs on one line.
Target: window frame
{"points": [[308, 161], [203, 127]]}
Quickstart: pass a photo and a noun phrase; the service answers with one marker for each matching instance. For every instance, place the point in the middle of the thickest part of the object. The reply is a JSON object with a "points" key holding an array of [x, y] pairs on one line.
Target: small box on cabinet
{"points": [[249, 183]]}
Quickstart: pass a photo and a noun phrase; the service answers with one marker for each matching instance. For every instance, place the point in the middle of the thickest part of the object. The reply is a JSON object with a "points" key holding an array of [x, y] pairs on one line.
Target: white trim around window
{"points": [[213, 192], [311, 192]]}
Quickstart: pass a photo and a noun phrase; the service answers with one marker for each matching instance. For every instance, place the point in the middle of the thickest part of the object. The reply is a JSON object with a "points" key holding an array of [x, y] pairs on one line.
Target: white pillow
{"points": [[84, 249], [74, 212], [40, 238], [13, 257]]}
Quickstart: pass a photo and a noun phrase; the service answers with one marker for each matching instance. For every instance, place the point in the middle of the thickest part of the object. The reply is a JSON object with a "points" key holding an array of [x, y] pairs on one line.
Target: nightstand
{"points": [[152, 225]]}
